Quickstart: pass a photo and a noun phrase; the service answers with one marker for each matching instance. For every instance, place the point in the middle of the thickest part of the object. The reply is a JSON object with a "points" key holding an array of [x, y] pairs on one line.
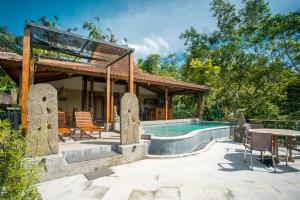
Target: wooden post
{"points": [[112, 101], [25, 78], [20, 91], [92, 97], [107, 119], [200, 106], [131, 74], [84, 94], [171, 106], [166, 104], [31, 71], [137, 90], [289, 143]]}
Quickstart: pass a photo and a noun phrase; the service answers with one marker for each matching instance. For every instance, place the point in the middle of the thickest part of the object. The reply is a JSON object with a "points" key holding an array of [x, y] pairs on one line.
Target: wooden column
{"points": [[289, 143], [137, 90], [25, 78], [107, 119], [112, 99], [84, 94], [20, 90], [31, 71], [92, 97], [171, 106], [166, 104], [131, 74], [200, 106]]}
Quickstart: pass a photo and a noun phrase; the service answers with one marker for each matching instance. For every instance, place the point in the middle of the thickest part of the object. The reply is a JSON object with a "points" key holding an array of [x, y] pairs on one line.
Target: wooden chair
{"points": [[84, 123], [62, 130]]}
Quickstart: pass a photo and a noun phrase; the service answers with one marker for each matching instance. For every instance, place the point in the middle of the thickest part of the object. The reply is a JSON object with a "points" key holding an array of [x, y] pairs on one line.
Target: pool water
{"points": [[177, 129]]}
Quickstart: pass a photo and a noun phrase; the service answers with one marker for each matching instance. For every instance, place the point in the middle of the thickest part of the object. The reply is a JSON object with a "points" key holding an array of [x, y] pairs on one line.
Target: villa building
{"points": [[90, 75]]}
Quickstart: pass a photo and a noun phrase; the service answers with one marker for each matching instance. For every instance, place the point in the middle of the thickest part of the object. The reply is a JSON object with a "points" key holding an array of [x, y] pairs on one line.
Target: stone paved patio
{"points": [[217, 173]]}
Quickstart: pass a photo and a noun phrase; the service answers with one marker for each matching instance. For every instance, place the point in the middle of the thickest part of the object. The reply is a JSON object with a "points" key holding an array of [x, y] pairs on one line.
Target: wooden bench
{"points": [[85, 124]]}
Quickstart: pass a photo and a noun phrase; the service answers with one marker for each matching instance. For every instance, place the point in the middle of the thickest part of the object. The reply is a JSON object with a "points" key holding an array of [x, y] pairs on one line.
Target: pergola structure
{"points": [[69, 46], [50, 54]]}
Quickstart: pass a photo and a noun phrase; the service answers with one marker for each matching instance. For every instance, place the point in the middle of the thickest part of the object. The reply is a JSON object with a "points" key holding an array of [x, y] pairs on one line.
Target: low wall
{"points": [[187, 143], [57, 166]]}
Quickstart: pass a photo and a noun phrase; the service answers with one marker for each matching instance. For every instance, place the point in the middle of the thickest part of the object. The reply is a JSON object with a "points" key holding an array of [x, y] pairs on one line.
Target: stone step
{"points": [[98, 173], [87, 157], [89, 150]]}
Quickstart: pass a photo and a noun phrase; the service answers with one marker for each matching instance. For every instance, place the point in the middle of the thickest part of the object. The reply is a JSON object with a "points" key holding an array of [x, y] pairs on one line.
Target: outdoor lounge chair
{"points": [[258, 142], [85, 124], [62, 129]]}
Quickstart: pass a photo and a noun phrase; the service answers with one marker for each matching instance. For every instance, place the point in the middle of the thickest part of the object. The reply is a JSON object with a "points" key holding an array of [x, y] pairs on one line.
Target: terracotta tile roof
{"points": [[118, 71]]}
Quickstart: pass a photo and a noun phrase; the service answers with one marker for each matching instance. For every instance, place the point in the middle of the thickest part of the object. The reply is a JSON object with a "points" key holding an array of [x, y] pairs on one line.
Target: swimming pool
{"points": [[177, 129], [178, 137]]}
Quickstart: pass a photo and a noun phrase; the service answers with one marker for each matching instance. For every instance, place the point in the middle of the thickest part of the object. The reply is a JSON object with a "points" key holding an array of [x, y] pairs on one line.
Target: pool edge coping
{"points": [[205, 149], [187, 135]]}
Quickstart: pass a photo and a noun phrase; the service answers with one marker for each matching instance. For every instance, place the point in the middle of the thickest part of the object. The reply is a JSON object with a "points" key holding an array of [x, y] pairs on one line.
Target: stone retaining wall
{"points": [[58, 167]]}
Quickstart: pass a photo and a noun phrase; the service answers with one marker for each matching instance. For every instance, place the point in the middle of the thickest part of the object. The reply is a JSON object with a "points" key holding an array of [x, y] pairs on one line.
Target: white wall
{"points": [[73, 87], [76, 84]]}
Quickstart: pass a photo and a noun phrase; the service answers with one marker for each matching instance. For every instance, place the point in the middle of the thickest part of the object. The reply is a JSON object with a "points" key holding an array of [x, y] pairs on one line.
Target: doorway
{"points": [[98, 107]]}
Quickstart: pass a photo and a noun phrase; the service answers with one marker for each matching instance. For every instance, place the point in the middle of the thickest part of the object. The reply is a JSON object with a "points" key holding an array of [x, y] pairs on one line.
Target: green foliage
{"points": [[6, 83], [151, 64], [184, 106], [290, 105], [250, 60], [97, 33], [9, 42], [165, 67], [45, 21], [17, 174]]}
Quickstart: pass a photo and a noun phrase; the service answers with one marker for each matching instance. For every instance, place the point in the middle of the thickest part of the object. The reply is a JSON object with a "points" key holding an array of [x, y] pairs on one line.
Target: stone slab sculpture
{"points": [[42, 119], [129, 119], [116, 120], [240, 129]]}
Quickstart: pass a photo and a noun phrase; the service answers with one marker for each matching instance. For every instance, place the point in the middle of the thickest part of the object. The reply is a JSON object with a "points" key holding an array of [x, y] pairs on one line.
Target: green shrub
{"points": [[17, 174], [182, 114]]}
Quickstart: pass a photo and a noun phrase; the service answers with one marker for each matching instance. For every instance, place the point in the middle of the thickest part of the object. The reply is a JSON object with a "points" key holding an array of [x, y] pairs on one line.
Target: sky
{"points": [[150, 26]]}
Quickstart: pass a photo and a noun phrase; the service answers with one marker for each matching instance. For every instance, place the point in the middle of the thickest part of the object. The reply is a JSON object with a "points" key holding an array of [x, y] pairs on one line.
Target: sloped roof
{"points": [[12, 62]]}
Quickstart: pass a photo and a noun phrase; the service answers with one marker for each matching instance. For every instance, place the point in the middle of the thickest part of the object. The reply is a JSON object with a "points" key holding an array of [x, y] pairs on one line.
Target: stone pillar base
{"points": [[132, 152], [108, 127]]}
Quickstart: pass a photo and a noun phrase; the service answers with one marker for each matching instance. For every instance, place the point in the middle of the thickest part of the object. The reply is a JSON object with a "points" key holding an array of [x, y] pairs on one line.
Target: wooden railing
{"points": [[284, 124]]}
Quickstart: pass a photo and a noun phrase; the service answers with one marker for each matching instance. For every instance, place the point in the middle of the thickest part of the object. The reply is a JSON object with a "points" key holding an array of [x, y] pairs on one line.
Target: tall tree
{"points": [[151, 64], [246, 66], [95, 31]]}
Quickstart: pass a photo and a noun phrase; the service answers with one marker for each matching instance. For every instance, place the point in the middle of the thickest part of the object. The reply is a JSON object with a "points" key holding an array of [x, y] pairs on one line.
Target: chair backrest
{"points": [[252, 126], [83, 119], [61, 119], [261, 141]]}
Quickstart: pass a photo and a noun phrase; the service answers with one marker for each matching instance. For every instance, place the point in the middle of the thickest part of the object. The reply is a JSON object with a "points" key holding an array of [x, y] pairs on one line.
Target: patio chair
{"points": [[62, 129], [259, 142], [85, 124]]}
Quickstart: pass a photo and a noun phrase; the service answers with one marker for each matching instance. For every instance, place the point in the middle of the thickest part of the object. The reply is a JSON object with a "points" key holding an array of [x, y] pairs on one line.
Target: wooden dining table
{"points": [[287, 133]]}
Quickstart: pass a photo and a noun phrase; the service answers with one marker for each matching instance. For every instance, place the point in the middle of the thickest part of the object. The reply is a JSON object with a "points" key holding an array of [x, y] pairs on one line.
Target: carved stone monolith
{"points": [[42, 129], [129, 119], [116, 121], [240, 129]]}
